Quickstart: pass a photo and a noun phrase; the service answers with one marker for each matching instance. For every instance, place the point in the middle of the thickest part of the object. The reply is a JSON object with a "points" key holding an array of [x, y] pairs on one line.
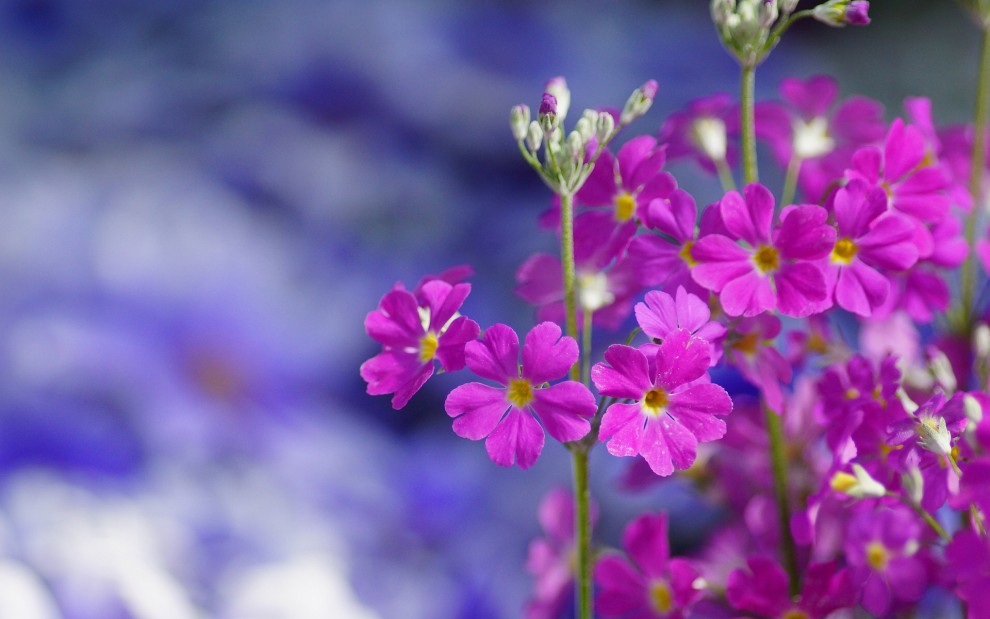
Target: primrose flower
{"points": [[881, 548], [968, 564], [507, 416], [702, 131], [870, 238], [770, 271], [660, 314], [413, 333], [762, 589], [652, 585], [673, 409], [808, 127]]}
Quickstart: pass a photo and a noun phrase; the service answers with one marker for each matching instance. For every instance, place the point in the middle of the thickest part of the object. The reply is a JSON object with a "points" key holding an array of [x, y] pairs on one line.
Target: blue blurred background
{"points": [[199, 203]]}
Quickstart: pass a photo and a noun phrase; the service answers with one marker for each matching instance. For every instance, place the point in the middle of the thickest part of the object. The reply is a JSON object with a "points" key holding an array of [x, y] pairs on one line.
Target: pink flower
{"points": [[762, 589], [968, 565], [701, 131], [628, 181], [652, 585], [870, 238], [673, 408], [751, 348], [813, 130], [881, 550], [660, 314], [507, 416], [413, 333], [551, 558], [766, 272]]}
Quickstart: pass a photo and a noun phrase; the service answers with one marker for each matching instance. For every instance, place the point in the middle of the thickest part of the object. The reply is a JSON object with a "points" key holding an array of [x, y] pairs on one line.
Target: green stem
{"points": [[586, 346], [725, 175], [790, 181], [583, 541], [779, 466], [978, 162], [924, 514], [567, 260], [747, 87]]}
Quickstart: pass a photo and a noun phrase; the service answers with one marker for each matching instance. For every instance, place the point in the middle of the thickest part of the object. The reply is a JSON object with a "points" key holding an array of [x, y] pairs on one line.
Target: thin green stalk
{"points": [[586, 346], [779, 467], [747, 87], [567, 260], [725, 175], [790, 181], [583, 517], [924, 514], [978, 163]]}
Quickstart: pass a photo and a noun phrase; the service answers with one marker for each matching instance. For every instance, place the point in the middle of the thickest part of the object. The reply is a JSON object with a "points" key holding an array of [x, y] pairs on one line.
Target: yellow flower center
{"points": [[428, 347], [661, 597], [852, 393], [766, 259], [625, 206], [843, 482], [795, 614], [685, 253], [816, 343], [844, 251], [655, 401], [877, 556], [520, 392], [747, 344]]}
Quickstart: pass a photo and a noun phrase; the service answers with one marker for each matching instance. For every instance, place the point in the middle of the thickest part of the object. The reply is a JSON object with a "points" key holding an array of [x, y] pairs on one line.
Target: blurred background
{"points": [[201, 200]]}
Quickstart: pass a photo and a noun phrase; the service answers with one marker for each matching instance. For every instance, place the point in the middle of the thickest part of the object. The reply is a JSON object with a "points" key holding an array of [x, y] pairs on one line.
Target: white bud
{"points": [[981, 341], [972, 408], [557, 86], [767, 13], [941, 370], [534, 137], [585, 128], [639, 102], [593, 292], [787, 6], [913, 484], [604, 126], [859, 485], [909, 405], [519, 121], [575, 145]]}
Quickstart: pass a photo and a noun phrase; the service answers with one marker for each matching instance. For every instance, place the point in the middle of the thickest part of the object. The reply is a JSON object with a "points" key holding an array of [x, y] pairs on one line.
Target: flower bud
{"points": [[604, 126], [519, 121], [585, 128], [639, 102], [972, 408], [787, 6], [934, 435], [534, 137], [557, 86], [708, 135], [941, 369], [548, 114], [859, 485], [913, 485], [838, 13], [575, 145], [981, 342]]}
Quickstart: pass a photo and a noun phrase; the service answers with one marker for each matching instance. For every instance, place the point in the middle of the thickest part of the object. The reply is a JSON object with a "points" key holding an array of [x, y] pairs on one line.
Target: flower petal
{"points": [[518, 439], [496, 355], [697, 409], [477, 408], [625, 376], [546, 355], [564, 408]]}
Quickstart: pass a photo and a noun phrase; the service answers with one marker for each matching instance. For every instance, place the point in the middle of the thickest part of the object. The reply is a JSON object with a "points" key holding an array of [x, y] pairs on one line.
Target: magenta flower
{"points": [[702, 131], [627, 182], [660, 314], [414, 333], [652, 586], [881, 551], [752, 350], [507, 416], [808, 127], [870, 238], [765, 272], [762, 589], [673, 409], [551, 558], [968, 565]]}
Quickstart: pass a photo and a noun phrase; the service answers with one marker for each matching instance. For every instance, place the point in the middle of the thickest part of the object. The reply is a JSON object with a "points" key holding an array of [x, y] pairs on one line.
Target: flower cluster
{"points": [[863, 426]]}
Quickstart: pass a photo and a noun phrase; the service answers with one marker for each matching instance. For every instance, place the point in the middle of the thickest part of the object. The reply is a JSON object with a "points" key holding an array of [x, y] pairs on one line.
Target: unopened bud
{"points": [[519, 121], [575, 145], [787, 6], [972, 408], [585, 128], [604, 126], [548, 114], [913, 484], [639, 102], [941, 369], [557, 86], [859, 485], [909, 405], [534, 137], [767, 13], [838, 13], [981, 341], [708, 134]]}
